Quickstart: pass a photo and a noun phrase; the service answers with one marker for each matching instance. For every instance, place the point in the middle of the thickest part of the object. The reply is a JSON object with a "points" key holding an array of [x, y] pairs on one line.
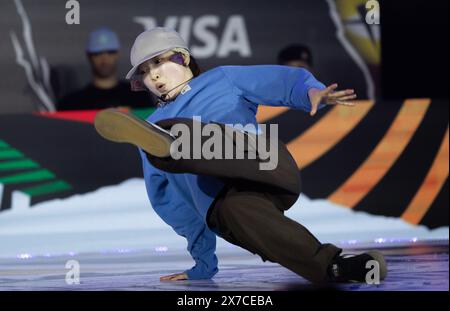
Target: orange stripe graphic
{"points": [[430, 187], [266, 113], [384, 155], [327, 132]]}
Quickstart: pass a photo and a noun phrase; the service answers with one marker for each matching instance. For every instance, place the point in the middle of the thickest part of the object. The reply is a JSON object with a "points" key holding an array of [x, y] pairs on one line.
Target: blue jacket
{"points": [[230, 95]]}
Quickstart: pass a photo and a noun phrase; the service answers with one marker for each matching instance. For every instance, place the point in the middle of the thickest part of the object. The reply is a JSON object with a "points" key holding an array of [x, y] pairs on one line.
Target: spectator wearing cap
{"points": [[104, 90], [296, 55]]}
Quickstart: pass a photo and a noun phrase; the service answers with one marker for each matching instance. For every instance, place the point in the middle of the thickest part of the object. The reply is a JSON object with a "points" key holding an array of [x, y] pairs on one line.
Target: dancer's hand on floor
{"points": [[174, 277], [330, 97]]}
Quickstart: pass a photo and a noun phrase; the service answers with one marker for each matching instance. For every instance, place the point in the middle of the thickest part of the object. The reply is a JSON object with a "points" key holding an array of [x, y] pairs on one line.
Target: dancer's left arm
{"points": [[285, 86]]}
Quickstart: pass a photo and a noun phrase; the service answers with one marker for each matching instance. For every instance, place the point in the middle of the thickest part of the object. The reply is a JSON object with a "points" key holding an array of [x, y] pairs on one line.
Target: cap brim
{"points": [[131, 72], [102, 49]]}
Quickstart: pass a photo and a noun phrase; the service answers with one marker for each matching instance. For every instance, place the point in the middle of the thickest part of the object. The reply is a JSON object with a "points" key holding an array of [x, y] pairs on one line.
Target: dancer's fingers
{"points": [[329, 90], [341, 93], [344, 98]]}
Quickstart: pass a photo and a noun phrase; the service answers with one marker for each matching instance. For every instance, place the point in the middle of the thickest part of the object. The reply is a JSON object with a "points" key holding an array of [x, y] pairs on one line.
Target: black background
{"points": [[414, 48]]}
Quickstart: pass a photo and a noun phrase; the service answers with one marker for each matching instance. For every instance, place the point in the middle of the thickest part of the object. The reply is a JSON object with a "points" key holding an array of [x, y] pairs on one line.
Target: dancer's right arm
{"points": [[184, 220]]}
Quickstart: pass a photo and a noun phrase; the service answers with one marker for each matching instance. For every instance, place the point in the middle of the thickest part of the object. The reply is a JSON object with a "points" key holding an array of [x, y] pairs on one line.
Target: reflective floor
{"points": [[423, 267]]}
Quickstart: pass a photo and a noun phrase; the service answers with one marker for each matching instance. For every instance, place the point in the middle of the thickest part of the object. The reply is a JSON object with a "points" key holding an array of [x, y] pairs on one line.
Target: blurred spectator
{"points": [[296, 55], [105, 90]]}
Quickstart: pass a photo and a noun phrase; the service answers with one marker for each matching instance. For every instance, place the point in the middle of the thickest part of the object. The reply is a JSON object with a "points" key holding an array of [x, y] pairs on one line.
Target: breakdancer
{"points": [[236, 198]]}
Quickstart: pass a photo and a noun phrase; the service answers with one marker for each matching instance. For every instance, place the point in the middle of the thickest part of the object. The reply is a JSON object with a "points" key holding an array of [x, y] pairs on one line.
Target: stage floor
{"points": [[412, 267]]}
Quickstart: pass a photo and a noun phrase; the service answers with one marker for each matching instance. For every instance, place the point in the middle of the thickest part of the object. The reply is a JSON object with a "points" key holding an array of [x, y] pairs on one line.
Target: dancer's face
{"points": [[163, 76]]}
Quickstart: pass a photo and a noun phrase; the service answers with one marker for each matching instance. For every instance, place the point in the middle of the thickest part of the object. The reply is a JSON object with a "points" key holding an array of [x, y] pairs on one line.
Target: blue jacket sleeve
{"points": [[184, 220], [273, 85]]}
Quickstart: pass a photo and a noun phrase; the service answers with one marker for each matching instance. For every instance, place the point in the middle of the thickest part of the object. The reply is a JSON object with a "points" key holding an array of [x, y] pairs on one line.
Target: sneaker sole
{"points": [[379, 257], [121, 127]]}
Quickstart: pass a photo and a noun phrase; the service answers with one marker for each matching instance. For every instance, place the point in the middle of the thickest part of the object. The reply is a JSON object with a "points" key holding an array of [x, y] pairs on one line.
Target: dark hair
{"points": [[295, 52], [195, 68]]}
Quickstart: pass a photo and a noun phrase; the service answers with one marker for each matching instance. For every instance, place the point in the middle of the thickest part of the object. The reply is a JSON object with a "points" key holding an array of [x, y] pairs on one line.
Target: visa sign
{"points": [[233, 39]]}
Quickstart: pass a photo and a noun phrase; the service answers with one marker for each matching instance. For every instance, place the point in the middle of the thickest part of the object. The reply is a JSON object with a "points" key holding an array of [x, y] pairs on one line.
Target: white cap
{"points": [[152, 43]]}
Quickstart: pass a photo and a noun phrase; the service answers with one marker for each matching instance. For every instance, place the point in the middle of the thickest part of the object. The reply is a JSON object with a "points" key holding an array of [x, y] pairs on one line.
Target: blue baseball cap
{"points": [[101, 40]]}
